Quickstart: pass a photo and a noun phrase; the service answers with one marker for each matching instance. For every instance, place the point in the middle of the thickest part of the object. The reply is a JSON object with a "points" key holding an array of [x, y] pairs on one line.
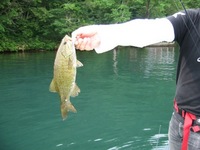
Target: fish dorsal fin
{"points": [[75, 91], [52, 87], [78, 63]]}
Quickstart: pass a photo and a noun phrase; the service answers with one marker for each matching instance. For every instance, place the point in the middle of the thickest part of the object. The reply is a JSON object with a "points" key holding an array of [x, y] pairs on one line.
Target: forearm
{"points": [[138, 33]]}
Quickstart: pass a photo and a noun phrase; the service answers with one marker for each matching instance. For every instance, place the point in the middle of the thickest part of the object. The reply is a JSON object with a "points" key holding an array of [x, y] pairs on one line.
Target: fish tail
{"points": [[67, 106]]}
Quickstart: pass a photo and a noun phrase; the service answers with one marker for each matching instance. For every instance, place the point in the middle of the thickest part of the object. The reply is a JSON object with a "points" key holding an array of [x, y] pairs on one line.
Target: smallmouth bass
{"points": [[64, 77]]}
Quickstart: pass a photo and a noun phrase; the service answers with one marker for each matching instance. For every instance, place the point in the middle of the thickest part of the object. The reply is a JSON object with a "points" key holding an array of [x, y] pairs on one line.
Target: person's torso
{"points": [[187, 30]]}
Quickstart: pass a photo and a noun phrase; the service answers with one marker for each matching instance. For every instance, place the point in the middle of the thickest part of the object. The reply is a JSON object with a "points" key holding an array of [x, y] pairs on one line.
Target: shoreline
{"points": [[161, 44]]}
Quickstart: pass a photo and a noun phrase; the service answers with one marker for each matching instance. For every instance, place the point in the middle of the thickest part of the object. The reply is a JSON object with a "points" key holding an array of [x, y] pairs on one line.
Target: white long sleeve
{"points": [[138, 33]]}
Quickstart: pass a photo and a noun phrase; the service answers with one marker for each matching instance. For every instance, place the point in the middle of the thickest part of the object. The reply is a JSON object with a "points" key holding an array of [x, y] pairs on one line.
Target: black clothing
{"points": [[188, 72]]}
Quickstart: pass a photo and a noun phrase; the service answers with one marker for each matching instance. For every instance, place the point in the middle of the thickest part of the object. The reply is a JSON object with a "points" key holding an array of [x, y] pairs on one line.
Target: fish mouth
{"points": [[68, 45], [67, 39]]}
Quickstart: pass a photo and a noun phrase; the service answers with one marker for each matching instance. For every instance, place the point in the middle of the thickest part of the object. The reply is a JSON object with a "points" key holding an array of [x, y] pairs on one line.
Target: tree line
{"points": [[41, 24]]}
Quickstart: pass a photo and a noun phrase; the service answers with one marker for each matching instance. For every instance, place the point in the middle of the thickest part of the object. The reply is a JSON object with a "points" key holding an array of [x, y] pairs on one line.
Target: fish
{"points": [[64, 75]]}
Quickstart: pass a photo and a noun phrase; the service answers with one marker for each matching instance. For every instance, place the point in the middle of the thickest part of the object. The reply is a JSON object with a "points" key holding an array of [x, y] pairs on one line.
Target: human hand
{"points": [[86, 38]]}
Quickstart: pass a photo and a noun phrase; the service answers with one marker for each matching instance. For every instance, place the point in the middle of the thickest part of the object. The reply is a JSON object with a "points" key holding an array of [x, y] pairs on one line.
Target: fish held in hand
{"points": [[64, 78]]}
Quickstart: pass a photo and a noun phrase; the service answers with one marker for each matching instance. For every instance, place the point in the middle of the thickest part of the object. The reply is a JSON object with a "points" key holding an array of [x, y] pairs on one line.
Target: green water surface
{"points": [[125, 101]]}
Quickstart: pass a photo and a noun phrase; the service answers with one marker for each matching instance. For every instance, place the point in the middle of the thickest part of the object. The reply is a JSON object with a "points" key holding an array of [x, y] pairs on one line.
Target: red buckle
{"points": [[195, 128]]}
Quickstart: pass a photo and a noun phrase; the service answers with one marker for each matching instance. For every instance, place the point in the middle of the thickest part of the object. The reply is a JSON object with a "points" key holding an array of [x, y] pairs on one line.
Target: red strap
{"points": [[188, 119], [177, 109], [186, 129], [175, 106]]}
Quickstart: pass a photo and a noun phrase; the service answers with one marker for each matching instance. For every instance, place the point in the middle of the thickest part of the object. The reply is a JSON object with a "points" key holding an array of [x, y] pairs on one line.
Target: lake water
{"points": [[125, 101]]}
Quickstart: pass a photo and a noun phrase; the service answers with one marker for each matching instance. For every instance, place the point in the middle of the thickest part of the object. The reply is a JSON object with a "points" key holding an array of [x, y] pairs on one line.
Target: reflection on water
{"points": [[115, 61], [125, 101], [159, 57]]}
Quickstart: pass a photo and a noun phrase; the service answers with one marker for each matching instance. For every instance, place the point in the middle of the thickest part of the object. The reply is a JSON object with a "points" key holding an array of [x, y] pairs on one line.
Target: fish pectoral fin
{"points": [[78, 63], [67, 106], [52, 87], [75, 91]]}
